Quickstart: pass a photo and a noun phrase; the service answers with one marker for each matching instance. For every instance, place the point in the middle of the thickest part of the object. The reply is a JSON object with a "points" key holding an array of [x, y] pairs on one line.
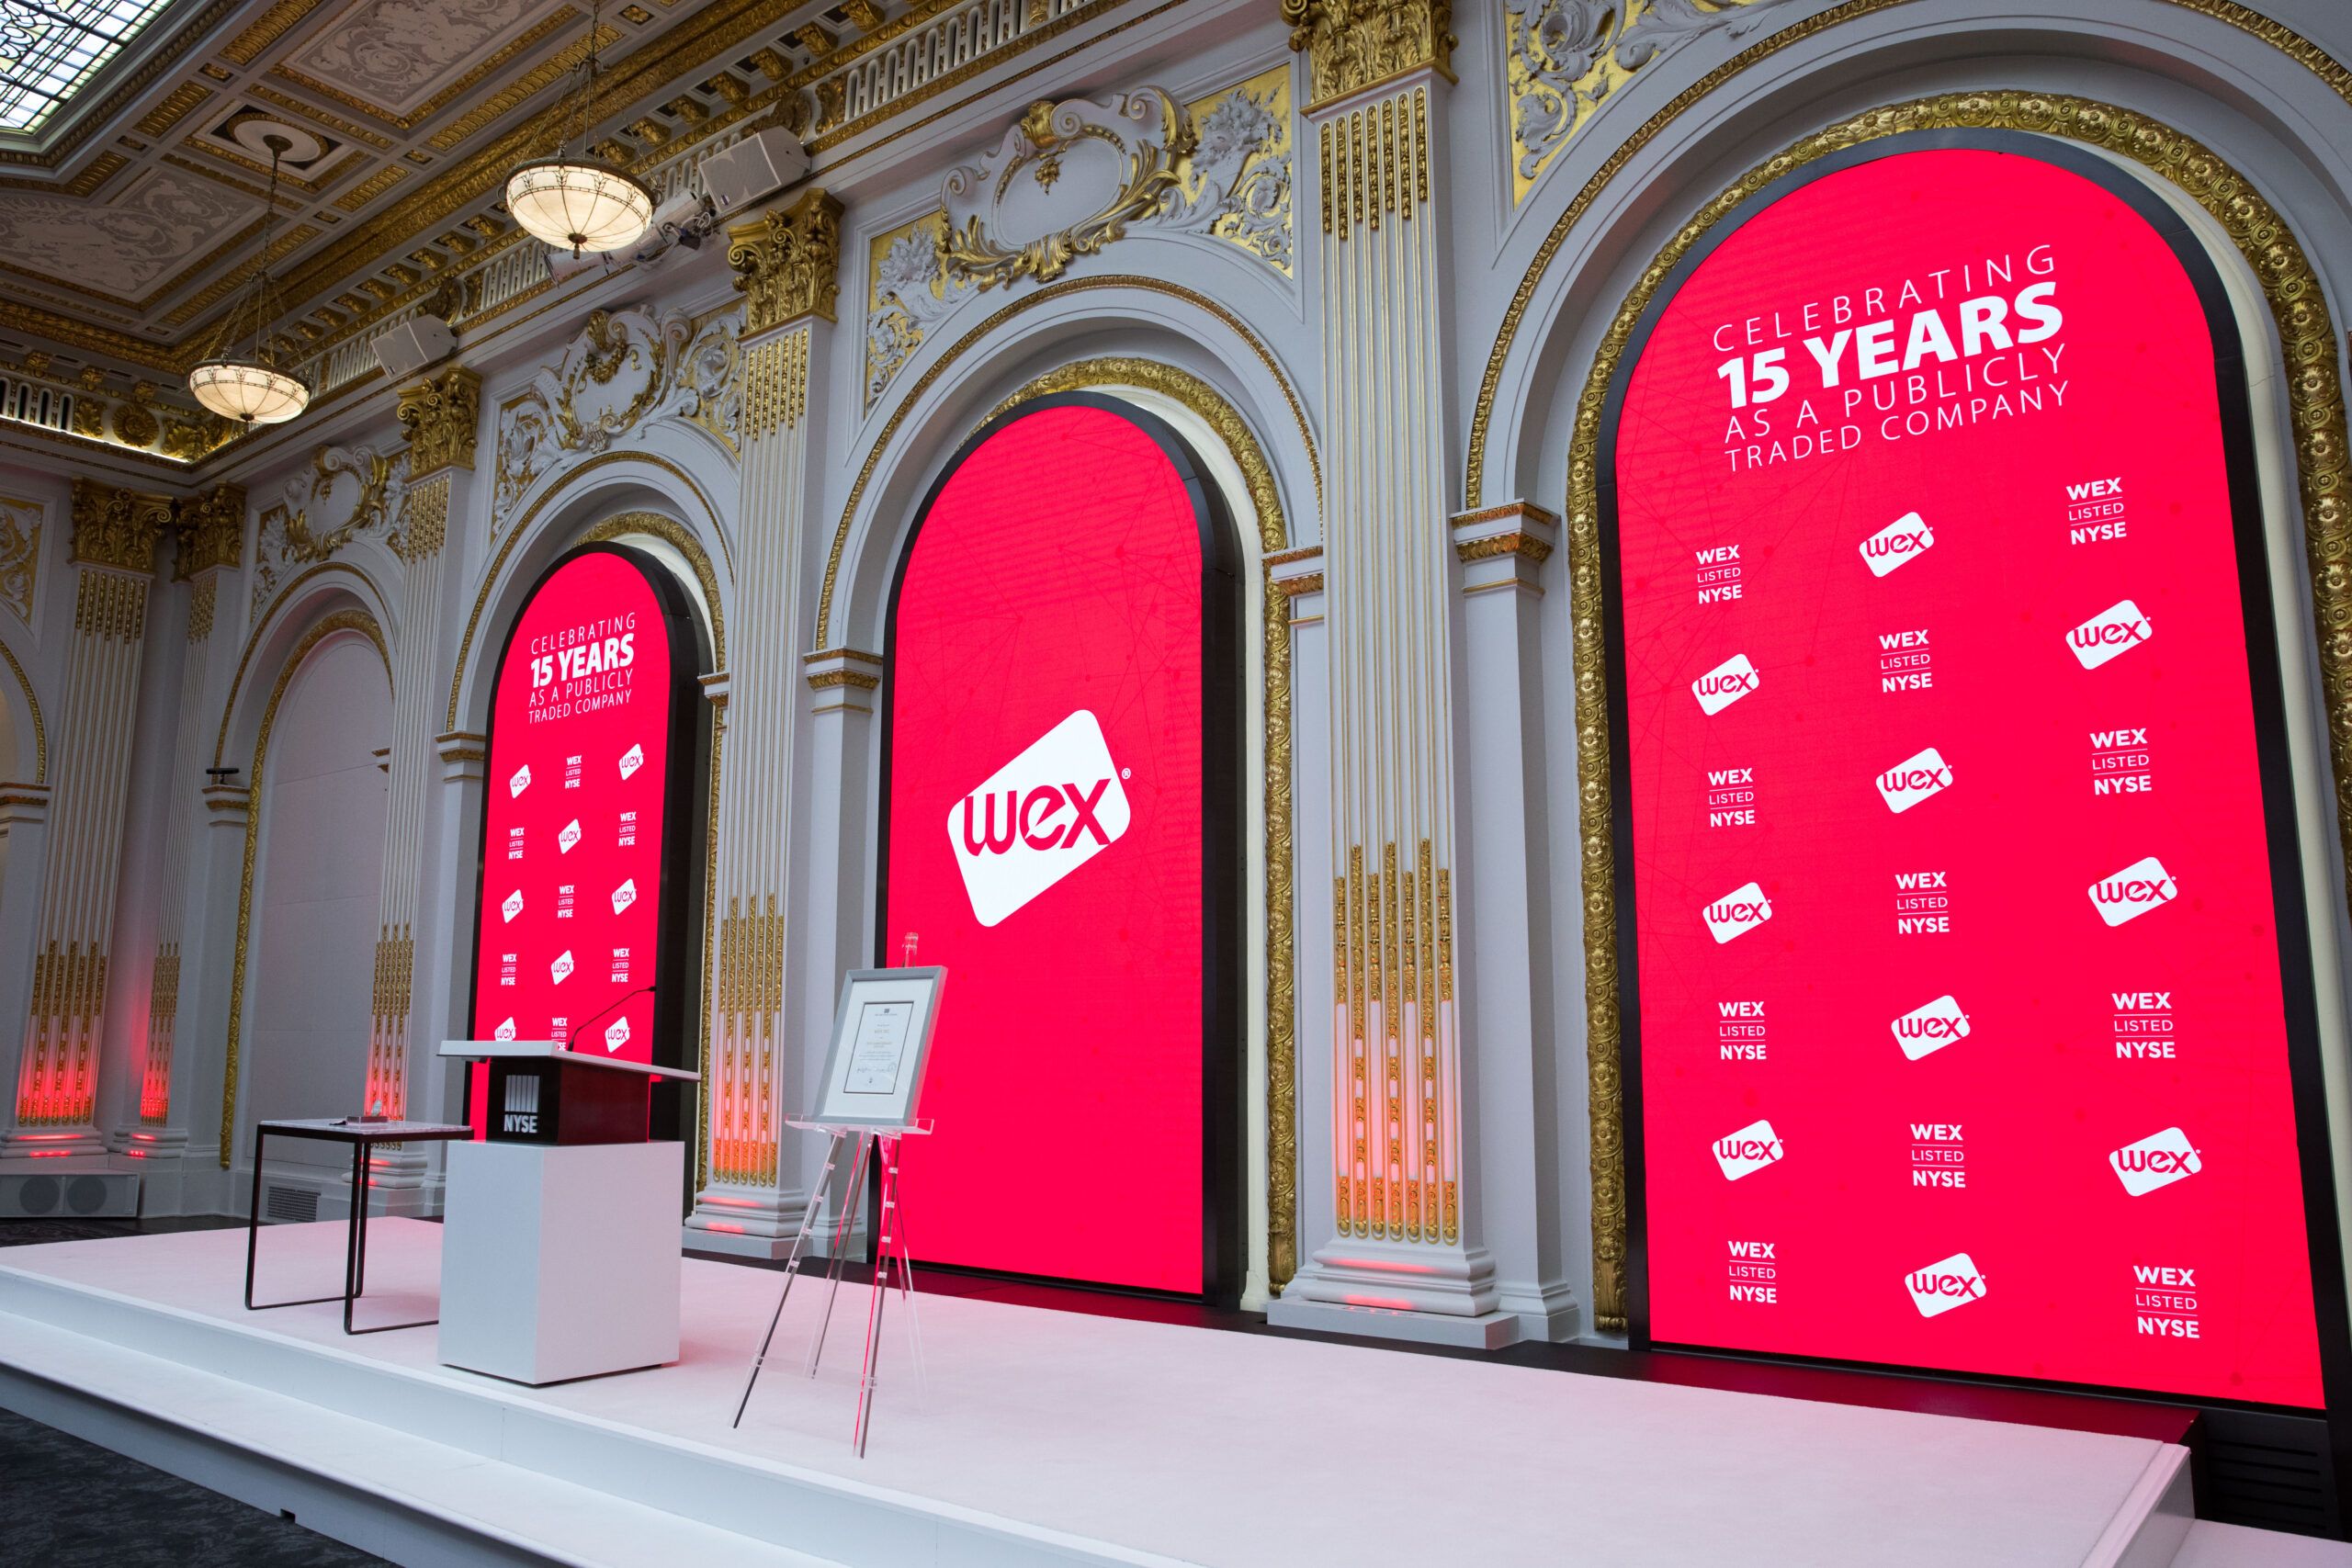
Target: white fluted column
{"points": [[751, 1197], [115, 534], [441, 416], [1404, 1256]]}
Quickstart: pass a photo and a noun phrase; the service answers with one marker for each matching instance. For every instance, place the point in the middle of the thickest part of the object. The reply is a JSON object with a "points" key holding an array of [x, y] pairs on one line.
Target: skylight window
{"points": [[50, 48]]}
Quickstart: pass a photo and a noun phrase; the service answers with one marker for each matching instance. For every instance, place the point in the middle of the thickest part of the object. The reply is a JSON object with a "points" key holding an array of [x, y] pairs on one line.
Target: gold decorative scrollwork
{"points": [[788, 262], [116, 528], [1153, 178], [442, 416]]}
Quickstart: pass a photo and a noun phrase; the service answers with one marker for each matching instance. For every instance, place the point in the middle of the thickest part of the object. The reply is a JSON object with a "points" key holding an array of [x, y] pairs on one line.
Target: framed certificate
{"points": [[882, 1030]]}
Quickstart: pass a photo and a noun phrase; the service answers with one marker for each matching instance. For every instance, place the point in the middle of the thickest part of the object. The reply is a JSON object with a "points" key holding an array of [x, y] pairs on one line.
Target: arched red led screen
{"points": [[1061, 837], [1962, 895], [590, 711]]}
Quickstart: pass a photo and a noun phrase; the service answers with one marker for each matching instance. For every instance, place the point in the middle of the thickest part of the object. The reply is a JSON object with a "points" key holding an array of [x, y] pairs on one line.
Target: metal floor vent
{"points": [[292, 1205], [71, 1195], [2269, 1472]]}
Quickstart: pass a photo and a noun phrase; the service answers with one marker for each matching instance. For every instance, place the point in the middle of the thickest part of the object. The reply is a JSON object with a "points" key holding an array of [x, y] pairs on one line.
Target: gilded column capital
{"points": [[1354, 44], [212, 529], [442, 416], [788, 262], [116, 528]]}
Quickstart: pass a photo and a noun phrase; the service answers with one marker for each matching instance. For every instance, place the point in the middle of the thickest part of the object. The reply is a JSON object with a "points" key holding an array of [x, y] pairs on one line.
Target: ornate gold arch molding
{"points": [[825, 631], [2315, 408], [651, 522], [261, 626], [32, 705], [2333, 72], [1281, 951], [358, 621]]}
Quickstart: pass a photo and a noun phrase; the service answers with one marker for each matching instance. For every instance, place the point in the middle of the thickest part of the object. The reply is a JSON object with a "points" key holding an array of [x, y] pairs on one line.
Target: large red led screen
{"points": [[568, 936], [1046, 816], [1962, 1026]]}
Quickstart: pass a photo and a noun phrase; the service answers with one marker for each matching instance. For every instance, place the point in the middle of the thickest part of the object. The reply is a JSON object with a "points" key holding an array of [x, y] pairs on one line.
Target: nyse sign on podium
{"points": [[1961, 1020]]}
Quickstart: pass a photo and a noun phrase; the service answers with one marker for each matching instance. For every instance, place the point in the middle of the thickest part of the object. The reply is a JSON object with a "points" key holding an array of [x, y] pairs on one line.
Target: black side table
{"points": [[363, 1137]]}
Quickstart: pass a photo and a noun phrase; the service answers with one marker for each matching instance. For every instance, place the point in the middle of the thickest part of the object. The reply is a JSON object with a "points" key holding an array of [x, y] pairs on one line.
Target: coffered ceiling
{"points": [[130, 216]]}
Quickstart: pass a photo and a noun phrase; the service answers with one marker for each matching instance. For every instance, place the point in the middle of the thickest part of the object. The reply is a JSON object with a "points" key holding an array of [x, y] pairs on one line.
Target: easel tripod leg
{"points": [[791, 1267], [889, 1162], [851, 1196]]}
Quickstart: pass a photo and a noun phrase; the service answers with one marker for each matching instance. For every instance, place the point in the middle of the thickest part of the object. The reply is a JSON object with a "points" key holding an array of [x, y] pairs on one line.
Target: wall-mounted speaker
{"points": [[413, 345], [69, 1195], [762, 164]]}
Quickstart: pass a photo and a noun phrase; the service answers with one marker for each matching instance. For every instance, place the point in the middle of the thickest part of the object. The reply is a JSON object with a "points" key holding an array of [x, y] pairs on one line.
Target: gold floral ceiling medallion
{"points": [[1063, 183]]}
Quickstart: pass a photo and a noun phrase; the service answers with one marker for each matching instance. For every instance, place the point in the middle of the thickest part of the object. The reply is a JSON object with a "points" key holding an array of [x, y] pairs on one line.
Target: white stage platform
{"points": [[1043, 1437]]}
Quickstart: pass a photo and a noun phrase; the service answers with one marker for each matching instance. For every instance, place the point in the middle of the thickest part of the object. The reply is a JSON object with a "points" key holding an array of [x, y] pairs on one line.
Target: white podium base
{"points": [[560, 1262]]}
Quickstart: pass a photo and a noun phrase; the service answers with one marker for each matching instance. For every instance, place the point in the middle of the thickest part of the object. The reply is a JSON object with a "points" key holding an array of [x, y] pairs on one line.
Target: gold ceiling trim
{"points": [[499, 58], [262, 92], [230, 282], [538, 79], [175, 105], [369, 189], [274, 24], [95, 172], [202, 141]]}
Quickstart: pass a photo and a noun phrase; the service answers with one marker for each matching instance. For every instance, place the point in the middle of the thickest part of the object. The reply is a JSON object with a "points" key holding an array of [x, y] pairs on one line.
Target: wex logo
{"points": [[1913, 780], [1925, 1030], [625, 894], [616, 1036], [1726, 684], [2157, 1160], [2133, 891], [1747, 1151], [2113, 631], [560, 970], [1940, 1287], [1741, 909], [632, 760], [1899, 542], [513, 907], [568, 836], [1038, 817], [504, 1030]]}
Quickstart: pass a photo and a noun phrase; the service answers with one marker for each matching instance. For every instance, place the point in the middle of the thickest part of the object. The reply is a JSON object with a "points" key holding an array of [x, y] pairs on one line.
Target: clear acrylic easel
{"points": [[879, 1145]]}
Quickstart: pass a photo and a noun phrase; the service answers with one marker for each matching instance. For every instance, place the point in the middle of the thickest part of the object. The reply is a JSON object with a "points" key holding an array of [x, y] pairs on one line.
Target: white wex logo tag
{"points": [[2157, 1160], [616, 1036], [625, 894], [632, 760], [1038, 817], [1741, 909], [568, 836], [514, 905], [1929, 1029], [2116, 630], [504, 1030], [560, 970], [1747, 1151], [2133, 891], [519, 781], [1726, 684], [1914, 779], [1896, 544], [1940, 1287]]}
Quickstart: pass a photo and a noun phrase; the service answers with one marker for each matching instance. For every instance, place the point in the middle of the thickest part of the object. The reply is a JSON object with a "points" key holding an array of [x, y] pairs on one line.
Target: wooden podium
{"points": [[560, 1251]]}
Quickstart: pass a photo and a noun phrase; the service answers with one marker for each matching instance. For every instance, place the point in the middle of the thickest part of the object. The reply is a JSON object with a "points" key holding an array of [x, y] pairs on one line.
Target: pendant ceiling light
{"points": [[571, 200], [249, 387]]}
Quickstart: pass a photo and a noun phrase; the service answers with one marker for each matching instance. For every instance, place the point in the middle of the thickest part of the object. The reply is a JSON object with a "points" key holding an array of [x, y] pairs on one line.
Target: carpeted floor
{"points": [[74, 1505]]}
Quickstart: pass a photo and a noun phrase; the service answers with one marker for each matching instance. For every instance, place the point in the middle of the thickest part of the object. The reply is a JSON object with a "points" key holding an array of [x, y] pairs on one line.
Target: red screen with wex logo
{"points": [[572, 824], [1962, 1034], [1044, 795]]}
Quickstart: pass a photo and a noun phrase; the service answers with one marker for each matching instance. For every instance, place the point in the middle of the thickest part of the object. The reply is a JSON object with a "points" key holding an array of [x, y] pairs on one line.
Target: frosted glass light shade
{"points": [[247, 392], [578, 204]]}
